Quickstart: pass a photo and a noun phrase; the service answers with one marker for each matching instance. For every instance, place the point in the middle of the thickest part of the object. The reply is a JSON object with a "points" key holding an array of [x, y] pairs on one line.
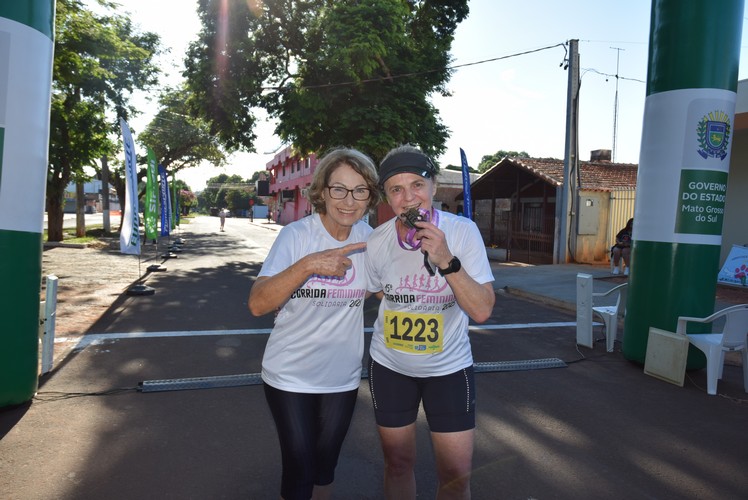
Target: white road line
{"points": [[98, 338], [518, 326]]}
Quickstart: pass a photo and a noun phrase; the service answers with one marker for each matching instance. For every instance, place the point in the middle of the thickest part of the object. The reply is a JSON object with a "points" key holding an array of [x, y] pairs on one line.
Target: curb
{"points": [[57, 244], [542, 299]]}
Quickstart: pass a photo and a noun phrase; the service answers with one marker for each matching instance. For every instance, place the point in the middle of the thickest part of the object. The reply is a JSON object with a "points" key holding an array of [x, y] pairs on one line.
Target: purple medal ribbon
{"points": [[415, 245]]}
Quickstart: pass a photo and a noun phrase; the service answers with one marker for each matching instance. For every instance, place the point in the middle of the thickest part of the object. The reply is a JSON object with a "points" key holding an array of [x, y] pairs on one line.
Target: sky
{"points": [[509, 90]]}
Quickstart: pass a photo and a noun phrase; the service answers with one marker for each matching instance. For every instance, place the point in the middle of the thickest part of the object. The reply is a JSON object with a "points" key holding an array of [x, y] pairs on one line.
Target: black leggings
{"points": [[311, 429]]}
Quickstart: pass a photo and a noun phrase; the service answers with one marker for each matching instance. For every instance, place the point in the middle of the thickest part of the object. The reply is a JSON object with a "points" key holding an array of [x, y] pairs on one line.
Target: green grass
{"points": [[93, 232]]}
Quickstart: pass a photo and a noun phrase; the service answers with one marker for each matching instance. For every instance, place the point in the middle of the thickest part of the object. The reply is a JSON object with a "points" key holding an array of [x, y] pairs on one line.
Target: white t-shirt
{"points": [[427, 331], [317, 342]]}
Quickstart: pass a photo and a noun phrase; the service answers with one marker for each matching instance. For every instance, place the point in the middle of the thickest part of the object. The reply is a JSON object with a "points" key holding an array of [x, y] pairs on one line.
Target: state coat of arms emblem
{"points": [[713, 134]]}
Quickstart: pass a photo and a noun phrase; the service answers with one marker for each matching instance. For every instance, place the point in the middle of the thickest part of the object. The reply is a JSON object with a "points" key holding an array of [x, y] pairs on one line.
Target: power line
{"points": [[617, 42], [418, 73], [230, 185], [608, 75]]}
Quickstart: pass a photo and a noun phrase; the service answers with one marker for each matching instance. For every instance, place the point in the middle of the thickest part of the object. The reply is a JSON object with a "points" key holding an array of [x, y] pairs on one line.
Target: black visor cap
{"points": [[406, 162]]}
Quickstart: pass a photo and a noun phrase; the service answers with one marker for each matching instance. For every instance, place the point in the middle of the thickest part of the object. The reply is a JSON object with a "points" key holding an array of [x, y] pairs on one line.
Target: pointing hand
{"points": [[335, 262]]}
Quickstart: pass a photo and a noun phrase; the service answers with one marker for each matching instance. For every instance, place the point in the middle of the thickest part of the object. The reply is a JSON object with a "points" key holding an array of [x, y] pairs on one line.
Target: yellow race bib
{"points": [[414, 333]]}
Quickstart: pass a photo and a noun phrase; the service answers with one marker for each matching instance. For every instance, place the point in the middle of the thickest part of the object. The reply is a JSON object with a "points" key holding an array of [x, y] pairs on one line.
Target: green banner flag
{"points": [[151, 198]]}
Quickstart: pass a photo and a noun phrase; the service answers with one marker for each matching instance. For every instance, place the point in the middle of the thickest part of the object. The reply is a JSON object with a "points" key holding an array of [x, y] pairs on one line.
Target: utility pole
{"points": [[615, 106], [571, 158]]}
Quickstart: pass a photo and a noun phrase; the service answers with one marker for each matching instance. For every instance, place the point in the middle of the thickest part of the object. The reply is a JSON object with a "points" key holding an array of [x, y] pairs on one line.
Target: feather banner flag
{"points": [[468, 209], [150, 215], [165, 203], [129, 238]]}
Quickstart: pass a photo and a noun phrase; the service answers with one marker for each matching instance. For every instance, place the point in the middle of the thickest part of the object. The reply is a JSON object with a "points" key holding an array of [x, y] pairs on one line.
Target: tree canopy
{"points": [[353, 73], [489, 161], [178, 140]]}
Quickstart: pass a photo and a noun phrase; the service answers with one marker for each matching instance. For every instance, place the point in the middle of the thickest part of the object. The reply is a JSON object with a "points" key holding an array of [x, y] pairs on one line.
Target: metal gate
{"points": [[531, 238]]}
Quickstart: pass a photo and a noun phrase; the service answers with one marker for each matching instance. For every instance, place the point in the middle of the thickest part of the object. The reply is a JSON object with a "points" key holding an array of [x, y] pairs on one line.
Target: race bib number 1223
{"points": [[414, 333]]}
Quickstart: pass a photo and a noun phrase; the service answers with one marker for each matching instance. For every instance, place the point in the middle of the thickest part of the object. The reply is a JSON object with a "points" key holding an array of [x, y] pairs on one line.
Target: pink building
{"points": [[290, 177]]}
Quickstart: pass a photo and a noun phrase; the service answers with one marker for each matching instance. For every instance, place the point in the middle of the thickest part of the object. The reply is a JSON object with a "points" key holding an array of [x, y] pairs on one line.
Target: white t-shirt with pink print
{"points": [[420, 330], [317, 343]]}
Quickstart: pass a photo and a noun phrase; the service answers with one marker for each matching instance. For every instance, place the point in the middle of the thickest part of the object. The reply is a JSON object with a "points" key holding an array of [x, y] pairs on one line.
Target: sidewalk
{"points": [[555, 284]]}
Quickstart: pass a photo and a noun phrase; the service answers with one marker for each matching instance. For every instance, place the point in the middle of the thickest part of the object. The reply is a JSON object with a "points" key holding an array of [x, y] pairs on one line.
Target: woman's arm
{"points": [[270, 292], [477, 300]]}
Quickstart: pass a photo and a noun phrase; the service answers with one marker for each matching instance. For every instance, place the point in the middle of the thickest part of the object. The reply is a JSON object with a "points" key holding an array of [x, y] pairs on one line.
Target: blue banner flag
{"points": [[468, 209], [165, 202]]}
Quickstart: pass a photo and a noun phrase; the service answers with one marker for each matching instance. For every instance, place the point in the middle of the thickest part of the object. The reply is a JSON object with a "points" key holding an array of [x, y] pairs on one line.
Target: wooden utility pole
{"points": [[571, 159], [615, 106]]}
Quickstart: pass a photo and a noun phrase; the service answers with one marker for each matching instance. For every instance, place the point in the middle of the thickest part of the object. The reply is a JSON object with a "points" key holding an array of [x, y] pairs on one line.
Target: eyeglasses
{"points": [[340, 193]]}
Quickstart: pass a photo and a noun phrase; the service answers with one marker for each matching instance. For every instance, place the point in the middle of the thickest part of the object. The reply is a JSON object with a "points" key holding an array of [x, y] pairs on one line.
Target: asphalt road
{"points": [[592, 429], [69, 220]]}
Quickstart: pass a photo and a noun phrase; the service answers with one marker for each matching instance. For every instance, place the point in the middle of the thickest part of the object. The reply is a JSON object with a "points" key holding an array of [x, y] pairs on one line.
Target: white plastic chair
{"points": [[714, 345], [611, 314]]}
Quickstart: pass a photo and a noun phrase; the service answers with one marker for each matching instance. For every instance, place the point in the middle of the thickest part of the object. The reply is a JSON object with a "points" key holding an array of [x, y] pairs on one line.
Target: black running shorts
{"points": [[448, 401]]}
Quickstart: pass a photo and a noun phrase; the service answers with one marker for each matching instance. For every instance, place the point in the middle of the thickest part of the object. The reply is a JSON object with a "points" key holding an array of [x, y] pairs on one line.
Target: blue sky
{"points": [[515, 103]]}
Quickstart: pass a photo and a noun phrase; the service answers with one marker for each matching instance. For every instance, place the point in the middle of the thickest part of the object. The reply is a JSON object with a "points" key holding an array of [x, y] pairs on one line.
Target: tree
{"points": [[214, 194], [458, 168], [187, 198], [237, 199], [99, 61], [228, 191], [187, 201], [354, 73], [178, 140], [489, 161]]}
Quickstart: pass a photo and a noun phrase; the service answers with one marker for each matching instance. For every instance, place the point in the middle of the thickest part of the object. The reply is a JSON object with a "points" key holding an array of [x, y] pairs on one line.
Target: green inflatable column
{"points": [[694, 49], [26, 48]]}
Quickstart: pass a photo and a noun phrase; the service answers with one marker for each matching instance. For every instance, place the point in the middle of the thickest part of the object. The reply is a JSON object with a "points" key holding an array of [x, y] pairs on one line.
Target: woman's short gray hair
{"points": [[358, 161]]}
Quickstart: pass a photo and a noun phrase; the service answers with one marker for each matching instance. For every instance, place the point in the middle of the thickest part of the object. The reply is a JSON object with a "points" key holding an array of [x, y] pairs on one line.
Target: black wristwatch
{"points": [[453, 267]]}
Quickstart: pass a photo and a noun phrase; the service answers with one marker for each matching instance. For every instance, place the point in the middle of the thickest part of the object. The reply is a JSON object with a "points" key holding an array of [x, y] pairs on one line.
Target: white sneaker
{"points": [[626, 272], [616, 270]]}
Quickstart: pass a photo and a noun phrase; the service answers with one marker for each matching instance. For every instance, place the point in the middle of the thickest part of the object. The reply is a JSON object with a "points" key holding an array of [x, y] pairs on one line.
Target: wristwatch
{"points": [[453, 267]]}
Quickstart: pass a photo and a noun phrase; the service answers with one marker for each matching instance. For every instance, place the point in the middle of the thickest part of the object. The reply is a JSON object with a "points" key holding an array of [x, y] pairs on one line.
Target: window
{"points": [[532, 217]]}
